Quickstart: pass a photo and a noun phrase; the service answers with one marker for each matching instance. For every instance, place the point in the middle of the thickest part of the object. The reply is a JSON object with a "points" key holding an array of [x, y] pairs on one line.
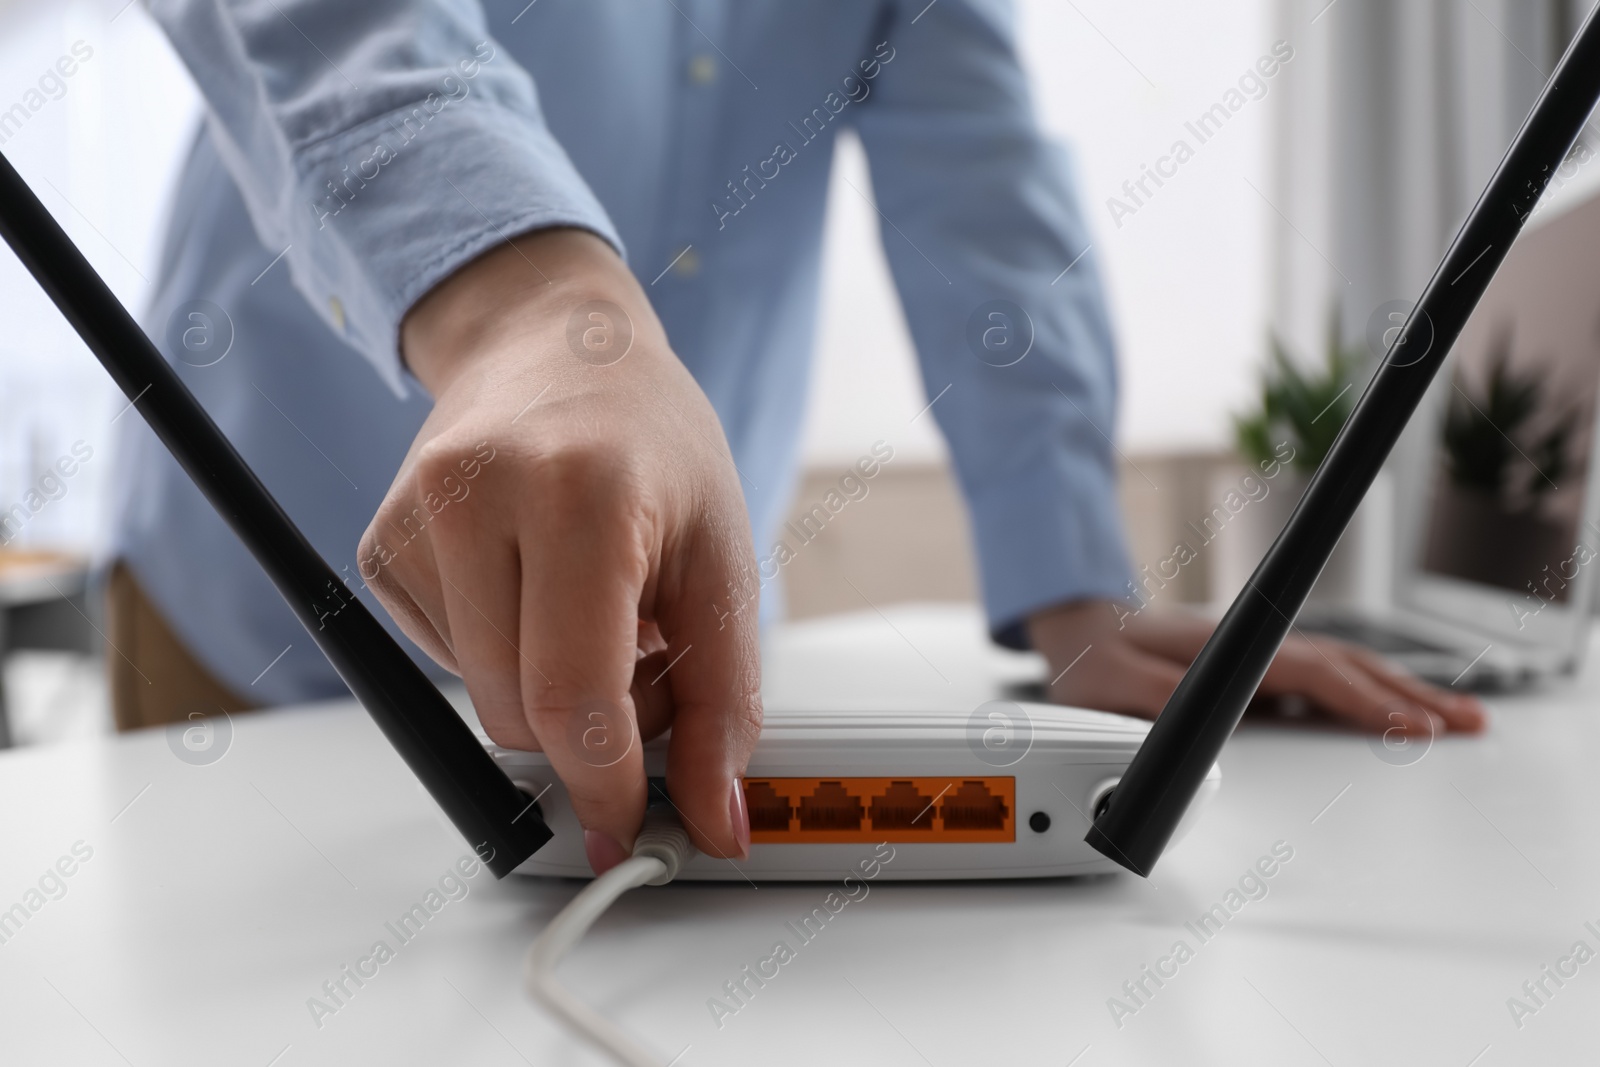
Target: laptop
{"points": [[1496, 480]]}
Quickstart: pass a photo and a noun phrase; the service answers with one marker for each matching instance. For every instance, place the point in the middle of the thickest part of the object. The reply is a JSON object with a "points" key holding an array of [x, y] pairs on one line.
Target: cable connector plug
{"points": [[662, 837]]}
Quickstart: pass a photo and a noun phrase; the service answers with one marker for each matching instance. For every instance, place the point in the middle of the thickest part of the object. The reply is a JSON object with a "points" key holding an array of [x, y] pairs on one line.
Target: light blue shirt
{"points": [[355, 154]]}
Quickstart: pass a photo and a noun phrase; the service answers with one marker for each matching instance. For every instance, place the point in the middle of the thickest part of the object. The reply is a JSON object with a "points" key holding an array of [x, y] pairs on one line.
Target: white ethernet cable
{"points": [[659, 852]]}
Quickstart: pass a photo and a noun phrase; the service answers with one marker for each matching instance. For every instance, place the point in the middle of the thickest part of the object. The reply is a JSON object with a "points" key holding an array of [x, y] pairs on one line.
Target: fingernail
{"points": [[739, 817], [603, 851]]}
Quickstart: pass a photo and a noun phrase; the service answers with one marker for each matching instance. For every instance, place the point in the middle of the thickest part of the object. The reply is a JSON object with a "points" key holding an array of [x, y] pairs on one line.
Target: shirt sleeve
{"points": [[379, 144], [993, 262]]}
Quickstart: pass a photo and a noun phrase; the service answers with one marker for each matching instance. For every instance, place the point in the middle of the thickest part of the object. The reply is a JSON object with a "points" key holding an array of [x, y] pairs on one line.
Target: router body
{"points": [[1006, 791]]}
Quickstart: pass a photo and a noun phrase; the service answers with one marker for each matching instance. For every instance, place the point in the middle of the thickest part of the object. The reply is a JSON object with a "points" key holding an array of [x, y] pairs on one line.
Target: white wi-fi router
{"points": [[1006, 791]]}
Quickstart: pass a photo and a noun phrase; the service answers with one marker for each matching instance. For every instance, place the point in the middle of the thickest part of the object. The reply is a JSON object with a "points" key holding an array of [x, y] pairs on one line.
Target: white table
{"points": [[220, 897]]}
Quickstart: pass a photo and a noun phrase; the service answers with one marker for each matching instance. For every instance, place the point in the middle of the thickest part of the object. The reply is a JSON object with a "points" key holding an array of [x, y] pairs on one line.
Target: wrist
{"points": [[521, 287], [1048, 625]]}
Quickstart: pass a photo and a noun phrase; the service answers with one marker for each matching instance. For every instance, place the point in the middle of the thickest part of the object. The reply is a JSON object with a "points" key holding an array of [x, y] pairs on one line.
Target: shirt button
{"points": [[702, 70], [688, 264]]}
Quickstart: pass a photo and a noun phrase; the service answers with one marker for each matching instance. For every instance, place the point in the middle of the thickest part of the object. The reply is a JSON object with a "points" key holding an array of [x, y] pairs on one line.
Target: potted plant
{"points": [[1306, 409], [1282, 441]]}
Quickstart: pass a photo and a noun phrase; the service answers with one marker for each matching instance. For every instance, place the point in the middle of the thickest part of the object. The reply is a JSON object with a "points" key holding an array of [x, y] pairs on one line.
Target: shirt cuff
{"points": [[1052, 535], [392, 207]]}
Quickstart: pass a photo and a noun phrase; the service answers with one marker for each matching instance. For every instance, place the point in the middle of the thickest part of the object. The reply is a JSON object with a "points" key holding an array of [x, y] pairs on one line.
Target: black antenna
{"points": [[1188, 736], [497, 819]]}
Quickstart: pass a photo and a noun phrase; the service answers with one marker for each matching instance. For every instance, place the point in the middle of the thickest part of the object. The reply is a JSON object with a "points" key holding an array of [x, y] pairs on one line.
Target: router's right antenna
{"points": [[1186, 739]]}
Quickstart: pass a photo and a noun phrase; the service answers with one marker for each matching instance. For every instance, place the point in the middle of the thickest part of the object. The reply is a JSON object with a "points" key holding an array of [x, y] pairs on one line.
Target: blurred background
{"points": [[1313, 215]]}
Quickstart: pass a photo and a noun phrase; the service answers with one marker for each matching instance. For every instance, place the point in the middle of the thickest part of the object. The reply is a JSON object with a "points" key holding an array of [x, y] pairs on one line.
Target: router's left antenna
{"points": [[497, 819]]}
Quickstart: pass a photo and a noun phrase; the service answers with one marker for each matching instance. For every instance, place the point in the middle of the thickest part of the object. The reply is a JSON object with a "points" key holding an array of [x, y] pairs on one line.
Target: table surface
{"points": [[1423, 891]]}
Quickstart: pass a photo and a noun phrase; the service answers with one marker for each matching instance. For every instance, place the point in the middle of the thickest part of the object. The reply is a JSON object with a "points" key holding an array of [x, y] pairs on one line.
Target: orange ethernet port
{"points": [[973, 807], [830, 807], [902, 806], [769, 811], [931, 809]]}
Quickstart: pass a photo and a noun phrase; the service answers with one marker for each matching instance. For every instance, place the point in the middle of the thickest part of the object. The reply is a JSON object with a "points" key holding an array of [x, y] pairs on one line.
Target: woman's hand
{"points": [[1134, 668]]}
